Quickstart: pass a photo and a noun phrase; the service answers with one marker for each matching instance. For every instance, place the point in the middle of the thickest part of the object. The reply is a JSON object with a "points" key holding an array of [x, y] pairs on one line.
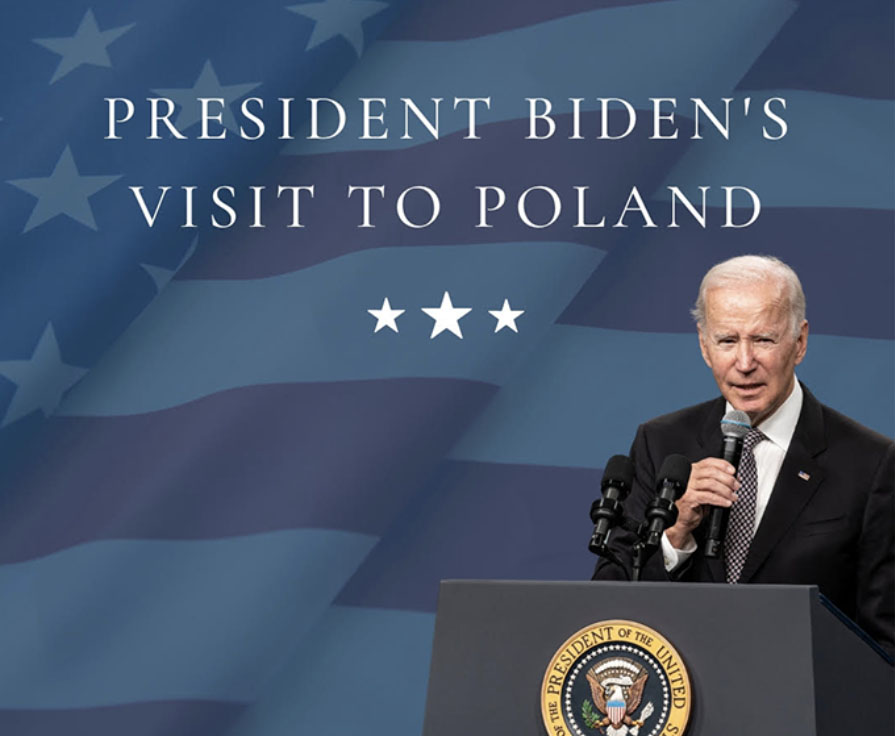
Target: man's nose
{"points": [[745, 356]]}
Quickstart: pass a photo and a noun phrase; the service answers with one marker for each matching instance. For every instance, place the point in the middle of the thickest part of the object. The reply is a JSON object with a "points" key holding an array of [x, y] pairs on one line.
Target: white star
{"points": [[207, 85], [338, 18], [41, 380], [64, 192], [447, 317], [506, 317], [87, 46], [386, 316]]}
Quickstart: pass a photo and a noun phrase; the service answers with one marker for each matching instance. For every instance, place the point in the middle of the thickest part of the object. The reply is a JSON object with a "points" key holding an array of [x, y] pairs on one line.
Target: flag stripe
{"points": [[803, 169], [564, 408], [297, 455], [127, 621], [799, 175], [331, 220], [657, 50], [355, 661], [171, 718], [482, 520], [847, 48], [650, 282], [329, 455], [431, 20], [199, 338]]}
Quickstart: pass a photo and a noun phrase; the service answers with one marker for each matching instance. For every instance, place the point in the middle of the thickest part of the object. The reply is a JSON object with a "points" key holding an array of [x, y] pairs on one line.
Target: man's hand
{"points": [[712, 483]]}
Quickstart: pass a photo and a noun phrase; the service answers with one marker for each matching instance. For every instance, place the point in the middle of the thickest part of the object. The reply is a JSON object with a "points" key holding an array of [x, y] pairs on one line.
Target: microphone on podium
{"points": [[606, 512], [662, 512], [734, 426]]}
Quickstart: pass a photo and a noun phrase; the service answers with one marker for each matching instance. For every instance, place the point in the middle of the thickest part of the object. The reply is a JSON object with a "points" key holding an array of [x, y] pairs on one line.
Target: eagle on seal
{"points": [[617, 688]]}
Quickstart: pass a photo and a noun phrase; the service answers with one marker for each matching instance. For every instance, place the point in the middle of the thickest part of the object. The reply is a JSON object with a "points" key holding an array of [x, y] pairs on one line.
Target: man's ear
{"points": [[802, 342], [703, 346]]}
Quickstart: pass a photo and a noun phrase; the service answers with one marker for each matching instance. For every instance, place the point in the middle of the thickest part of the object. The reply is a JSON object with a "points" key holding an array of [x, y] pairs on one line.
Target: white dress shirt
{"points": [[769, 454]]}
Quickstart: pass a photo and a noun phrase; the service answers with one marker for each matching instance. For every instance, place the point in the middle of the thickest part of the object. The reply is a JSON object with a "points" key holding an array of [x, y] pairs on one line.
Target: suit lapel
{"points": [[792, 491]]}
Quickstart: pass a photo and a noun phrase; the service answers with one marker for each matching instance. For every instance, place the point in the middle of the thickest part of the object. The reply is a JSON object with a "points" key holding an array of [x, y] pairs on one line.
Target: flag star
{"points": [[386, 316], [447, 317], [338, 18], [64, 192], [207, 85], [40, 381], [161, 276], [505, 316], [87, 46]]}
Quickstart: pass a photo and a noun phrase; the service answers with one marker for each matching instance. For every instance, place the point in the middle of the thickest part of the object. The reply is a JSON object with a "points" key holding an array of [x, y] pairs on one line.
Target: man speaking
{"points": [[811, 502]]}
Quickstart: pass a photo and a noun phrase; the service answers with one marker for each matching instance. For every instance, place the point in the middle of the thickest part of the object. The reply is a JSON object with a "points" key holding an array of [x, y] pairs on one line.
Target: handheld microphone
{"points": [[662, 512], [734, 426], [607, 511]]}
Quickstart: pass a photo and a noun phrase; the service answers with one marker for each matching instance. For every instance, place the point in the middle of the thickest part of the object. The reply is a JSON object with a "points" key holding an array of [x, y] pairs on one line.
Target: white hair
{"points": [[744, 270]]}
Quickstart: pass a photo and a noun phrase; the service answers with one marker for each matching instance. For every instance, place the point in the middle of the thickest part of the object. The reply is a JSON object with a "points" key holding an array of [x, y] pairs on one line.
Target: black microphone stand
{"points": [[644, 549], [661, 514], [641, 553], [647, 543]]}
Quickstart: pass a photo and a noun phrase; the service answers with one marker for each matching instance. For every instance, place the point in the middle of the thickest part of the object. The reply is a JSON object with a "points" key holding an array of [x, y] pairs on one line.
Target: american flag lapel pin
{"points": [[803, 475]]}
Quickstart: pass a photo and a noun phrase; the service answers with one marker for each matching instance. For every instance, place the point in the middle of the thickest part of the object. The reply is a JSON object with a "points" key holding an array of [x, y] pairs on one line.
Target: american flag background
{"points": [[226, 501]]}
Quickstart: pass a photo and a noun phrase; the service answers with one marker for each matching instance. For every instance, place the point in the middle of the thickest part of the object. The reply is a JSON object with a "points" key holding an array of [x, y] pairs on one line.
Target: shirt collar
{"points": [[781, 425]]}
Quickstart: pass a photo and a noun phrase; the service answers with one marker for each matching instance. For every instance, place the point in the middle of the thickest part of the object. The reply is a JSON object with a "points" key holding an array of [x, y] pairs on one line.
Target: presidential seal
{"points": [[616, 678]]}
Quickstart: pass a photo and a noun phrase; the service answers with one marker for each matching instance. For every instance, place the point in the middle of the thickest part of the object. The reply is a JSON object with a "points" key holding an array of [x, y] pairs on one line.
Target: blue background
{"points": [[225, 502]]}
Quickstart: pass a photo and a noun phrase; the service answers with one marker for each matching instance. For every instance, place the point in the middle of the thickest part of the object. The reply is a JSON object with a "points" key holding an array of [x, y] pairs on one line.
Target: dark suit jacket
{"points": [[833, 530]]}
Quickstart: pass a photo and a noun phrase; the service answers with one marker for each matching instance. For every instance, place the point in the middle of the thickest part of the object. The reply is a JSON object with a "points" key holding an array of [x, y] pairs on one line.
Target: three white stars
{"points": [[447, 317]]}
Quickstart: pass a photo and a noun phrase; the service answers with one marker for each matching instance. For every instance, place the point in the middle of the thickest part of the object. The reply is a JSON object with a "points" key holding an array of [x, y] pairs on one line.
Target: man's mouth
{"points": [[748, 387]]}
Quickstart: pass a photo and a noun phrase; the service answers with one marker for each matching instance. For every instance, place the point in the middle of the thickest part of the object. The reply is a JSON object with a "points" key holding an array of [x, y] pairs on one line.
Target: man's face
{"points": [[748, 343]]}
